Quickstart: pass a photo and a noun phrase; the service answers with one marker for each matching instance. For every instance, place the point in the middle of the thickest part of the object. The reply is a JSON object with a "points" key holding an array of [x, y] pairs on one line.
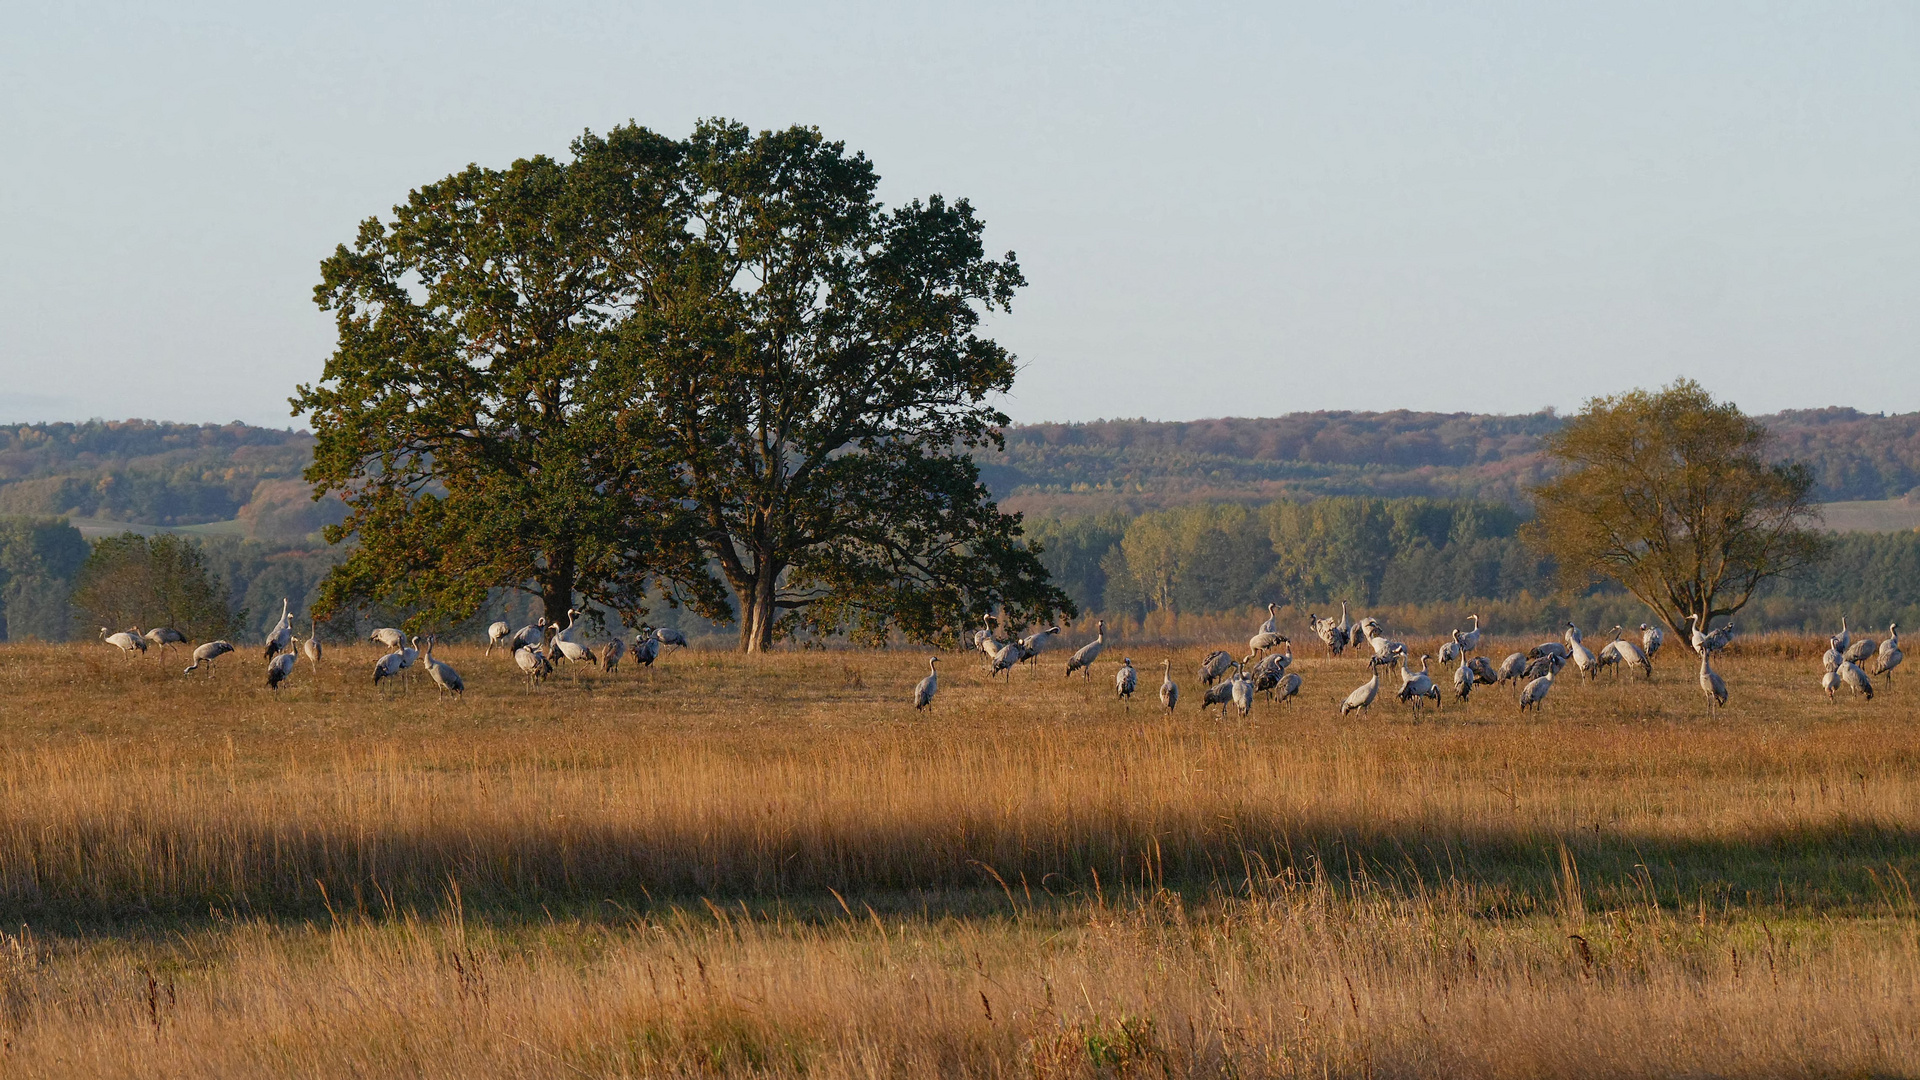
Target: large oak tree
{"points": [[1672, 495], [665, 359]]}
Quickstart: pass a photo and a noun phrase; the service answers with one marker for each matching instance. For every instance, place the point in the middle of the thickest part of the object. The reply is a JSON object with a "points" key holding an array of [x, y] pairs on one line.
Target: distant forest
{"points": [[1136, 465], [1137, 517]]}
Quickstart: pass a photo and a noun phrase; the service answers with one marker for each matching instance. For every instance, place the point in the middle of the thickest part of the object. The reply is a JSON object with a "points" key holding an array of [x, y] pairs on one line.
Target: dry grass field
{"points": [[772, 866]]}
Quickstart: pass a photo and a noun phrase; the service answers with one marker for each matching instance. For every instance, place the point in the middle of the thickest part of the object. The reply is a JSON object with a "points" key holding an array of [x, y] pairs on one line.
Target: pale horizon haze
{"points": [[1222, 210]]}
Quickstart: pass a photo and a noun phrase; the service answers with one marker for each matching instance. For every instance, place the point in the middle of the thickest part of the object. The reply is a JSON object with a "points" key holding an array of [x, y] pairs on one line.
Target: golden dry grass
{"points": [[770, 865]]}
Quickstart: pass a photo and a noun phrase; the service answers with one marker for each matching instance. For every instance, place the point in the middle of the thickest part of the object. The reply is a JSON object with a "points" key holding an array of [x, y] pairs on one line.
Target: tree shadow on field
{"points": [[109, 883]]}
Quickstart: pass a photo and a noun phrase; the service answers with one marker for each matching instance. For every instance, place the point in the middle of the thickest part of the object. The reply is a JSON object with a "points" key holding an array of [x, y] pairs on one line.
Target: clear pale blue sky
{"points": [[1223, 210]]}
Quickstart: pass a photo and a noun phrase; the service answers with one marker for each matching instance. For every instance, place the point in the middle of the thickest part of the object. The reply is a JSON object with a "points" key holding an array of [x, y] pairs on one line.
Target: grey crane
{"points": [[1268, 635], [1625, 653], [1221, 693], [1214, 666], [1242, 692], [311, 646], [279, 668], [534, 633], [1889, 655], [207, 654], [924, 691], [442, 673], [1583, 659], [670, 636], [1861, 648], [1711, 684], [1513, 666], [1169, 690], [1842, 639], [1083, 657], [611, 654], [646, 648], [1449, 649], [1830, 681], [1536, 691], [1031, 645], [497, 633], [281, 639], [165, 637], [1286, 689], [1125, 680], [1651, 638], [532, 662], [1855, 679], [1463, 680], [1416, 686], [392, 638], [1363, 695], [1483, 672], [1470, 640], [390, 665], [127, 641]]}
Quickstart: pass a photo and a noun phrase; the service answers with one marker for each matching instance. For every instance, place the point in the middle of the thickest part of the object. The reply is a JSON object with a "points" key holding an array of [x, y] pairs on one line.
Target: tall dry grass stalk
{"points": [[732, 865]]}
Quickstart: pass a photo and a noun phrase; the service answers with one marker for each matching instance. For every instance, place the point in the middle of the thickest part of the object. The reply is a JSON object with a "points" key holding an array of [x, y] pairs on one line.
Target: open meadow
{"points": [[771, 865]]}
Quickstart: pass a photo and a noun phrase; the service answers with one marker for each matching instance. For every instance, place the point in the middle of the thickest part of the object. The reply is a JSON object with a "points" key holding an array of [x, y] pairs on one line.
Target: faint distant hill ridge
{"points": [[163, 474], [1136, 465]]}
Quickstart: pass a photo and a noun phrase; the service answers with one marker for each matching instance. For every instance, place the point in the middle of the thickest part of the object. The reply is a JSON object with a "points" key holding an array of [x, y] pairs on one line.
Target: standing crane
{"points": [[1268, 635], [1125, 680], [534, 633], [532, 662], [1711, 684], [1169, 690], [312, 645], [1213, 666], [164, 636], [1418, 685], [497, 634], [1583, 659], [1889, 656], [279, 668], [1362, 697], [923, 693], [611, 652], [281, 639], [1651, 638], [1083, 657], [1536, 692], [1470, 640], [442, 673]]}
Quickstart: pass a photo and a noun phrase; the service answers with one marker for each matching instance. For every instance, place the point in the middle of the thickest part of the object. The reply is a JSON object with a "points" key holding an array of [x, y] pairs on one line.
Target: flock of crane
{"points": [[534, 648], [1227, 682], [1231, 683]]}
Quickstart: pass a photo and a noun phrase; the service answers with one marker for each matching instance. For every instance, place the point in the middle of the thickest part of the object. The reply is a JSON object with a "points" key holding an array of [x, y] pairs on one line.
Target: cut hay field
{"points": [[771, 866]]}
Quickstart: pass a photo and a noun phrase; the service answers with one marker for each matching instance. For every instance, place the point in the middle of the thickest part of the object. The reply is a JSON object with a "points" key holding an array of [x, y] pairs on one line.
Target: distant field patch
{"points": [[1872, 515]]}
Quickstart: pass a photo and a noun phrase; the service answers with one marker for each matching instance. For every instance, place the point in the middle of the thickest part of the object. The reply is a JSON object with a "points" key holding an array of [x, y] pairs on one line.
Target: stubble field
{"points": [[772, 866]]}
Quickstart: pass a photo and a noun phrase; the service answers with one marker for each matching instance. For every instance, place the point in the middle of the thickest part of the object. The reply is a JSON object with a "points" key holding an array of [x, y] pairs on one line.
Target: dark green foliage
{"points": [[1219, 556], [812, 365], [1074, 551], [132, 580], [38, 560], [478, 416]]}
